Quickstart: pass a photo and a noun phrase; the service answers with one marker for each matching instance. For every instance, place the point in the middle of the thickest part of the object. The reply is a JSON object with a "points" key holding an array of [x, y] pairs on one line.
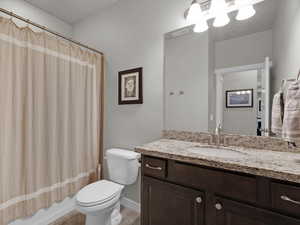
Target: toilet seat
{"points": [[98, 193]]}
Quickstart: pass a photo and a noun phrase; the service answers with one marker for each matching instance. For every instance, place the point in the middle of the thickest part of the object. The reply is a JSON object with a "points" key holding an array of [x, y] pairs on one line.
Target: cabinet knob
{"points": [[218, 206], [198, 199]]}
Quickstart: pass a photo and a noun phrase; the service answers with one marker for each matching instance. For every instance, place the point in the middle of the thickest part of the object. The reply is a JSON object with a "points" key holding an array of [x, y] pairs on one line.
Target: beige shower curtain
{"points": [[49, 119]]}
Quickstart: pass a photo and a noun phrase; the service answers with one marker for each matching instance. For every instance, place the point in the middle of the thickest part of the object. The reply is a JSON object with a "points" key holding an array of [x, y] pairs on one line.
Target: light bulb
{"points": [[194, 13], [219, 10], [201, 26], [245, 12]]}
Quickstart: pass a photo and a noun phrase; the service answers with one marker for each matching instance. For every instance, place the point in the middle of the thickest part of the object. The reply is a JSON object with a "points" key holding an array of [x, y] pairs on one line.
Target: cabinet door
{"points": [[233, 213], [168, 204]]}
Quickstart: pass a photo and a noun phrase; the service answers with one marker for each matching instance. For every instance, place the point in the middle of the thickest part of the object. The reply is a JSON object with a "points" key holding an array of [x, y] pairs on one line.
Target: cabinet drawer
{"points": [[230, 212], [240, 187], [154, 167], [286, 198]]}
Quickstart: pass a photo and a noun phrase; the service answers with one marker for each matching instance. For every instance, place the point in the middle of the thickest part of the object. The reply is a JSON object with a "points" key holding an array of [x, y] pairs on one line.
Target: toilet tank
{"points": [[123, 165]]}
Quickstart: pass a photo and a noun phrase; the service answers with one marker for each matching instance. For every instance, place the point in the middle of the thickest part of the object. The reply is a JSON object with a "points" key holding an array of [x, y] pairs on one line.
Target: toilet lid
{"points": [[98, 192]]}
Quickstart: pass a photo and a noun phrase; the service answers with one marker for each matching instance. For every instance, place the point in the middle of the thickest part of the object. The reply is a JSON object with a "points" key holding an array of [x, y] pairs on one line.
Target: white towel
{"points": [[277, 113], [291, 120]]}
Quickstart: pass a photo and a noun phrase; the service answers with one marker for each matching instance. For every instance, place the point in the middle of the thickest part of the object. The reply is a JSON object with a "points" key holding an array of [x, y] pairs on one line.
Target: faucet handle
{"points": [[218, 128]]}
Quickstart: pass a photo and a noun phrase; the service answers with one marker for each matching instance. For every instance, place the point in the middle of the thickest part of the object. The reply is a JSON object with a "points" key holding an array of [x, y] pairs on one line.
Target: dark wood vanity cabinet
{"points": [[177, 193], [166, 203]]}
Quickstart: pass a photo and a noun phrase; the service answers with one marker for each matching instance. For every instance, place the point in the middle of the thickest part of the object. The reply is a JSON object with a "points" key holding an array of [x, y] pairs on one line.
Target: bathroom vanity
{"points": [[187, 183], [218, 89]]}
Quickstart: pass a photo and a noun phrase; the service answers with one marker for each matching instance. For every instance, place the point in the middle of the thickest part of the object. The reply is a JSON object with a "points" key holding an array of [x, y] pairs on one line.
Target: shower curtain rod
{"points": [[48, 30]]}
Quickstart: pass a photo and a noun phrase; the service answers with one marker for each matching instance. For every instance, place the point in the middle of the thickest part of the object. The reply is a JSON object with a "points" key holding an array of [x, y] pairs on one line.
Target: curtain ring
{"points": [[44, 30], [27, 23], [11, 15]]}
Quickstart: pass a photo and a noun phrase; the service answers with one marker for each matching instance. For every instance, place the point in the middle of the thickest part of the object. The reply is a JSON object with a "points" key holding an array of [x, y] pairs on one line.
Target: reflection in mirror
{"points": [[246, 94], [186, 91], [228, 75]]}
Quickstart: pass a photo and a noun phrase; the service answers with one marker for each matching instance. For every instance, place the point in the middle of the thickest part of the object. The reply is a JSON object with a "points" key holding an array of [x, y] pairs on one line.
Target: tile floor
{"points": [[130, 217]]}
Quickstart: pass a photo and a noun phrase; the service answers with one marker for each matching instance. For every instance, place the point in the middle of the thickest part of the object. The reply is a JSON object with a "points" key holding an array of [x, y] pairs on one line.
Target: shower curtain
{"points": [[50, 119]]}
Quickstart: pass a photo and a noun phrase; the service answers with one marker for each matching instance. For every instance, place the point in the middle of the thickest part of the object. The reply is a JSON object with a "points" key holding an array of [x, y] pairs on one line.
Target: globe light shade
{"points": [[221, 20], [194, 13], [201, 26], [219, 10], [245, 12]]}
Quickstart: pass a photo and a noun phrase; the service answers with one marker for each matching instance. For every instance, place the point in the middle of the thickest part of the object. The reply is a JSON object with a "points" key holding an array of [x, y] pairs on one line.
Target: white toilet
{"points": [[100, 201]]}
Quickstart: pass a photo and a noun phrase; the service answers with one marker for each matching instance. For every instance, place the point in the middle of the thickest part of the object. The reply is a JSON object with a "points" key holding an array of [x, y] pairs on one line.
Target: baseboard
{"points": [[128, 203]]}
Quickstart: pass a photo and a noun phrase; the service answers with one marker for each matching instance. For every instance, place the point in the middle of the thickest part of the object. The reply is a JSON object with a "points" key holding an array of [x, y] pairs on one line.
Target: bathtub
{"points": [[49, 215]]}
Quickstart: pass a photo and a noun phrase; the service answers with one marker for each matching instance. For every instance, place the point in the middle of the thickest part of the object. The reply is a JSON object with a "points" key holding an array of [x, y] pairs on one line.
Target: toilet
{"points": [[100, 201]]}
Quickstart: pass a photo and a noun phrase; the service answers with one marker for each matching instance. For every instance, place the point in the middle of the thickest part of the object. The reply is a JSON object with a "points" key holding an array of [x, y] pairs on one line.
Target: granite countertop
{"points": [[273, 164]]}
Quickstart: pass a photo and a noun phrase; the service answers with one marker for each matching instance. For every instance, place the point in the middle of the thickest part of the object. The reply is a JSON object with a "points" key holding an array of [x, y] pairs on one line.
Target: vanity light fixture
{"points": [[219, 10], [246, 10], [200, 12]]}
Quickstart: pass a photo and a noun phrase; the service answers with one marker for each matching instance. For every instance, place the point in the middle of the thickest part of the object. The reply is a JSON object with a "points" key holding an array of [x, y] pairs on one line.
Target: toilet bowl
{"points": [[100, 201]]}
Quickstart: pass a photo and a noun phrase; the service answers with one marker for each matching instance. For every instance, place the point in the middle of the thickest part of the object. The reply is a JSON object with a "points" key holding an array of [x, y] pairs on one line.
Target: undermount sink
{"points": [[214, 151]]}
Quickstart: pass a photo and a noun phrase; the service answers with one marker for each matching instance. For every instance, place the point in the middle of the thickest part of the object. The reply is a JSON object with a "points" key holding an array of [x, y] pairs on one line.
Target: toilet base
{"points": [[116, 216], [108, 216], [97, 220]]}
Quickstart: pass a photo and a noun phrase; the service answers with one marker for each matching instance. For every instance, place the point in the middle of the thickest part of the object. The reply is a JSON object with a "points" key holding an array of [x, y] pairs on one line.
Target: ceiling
{"points": [[71, 11]]}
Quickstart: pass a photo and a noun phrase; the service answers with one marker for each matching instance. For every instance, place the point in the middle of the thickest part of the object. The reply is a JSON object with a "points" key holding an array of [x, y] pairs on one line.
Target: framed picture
{"points": [[131, 86], [239, 98]]}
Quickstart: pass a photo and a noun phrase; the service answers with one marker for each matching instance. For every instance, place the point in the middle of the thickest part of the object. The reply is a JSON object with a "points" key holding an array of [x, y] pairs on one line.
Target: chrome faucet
{"points": [[218, 134]]}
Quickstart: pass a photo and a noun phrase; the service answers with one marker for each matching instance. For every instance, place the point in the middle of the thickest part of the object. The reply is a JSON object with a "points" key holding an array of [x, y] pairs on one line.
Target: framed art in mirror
{"points": [[242, 98], [131, 86]]}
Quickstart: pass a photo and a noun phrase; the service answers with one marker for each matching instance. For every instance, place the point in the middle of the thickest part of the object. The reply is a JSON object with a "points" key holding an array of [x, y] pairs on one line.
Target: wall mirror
{"points": [[228, 75]]}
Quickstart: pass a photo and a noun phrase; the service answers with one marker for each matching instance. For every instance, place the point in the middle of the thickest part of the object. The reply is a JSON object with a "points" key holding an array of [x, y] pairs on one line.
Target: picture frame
{"points": [[242, 98], [131, 86]]}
